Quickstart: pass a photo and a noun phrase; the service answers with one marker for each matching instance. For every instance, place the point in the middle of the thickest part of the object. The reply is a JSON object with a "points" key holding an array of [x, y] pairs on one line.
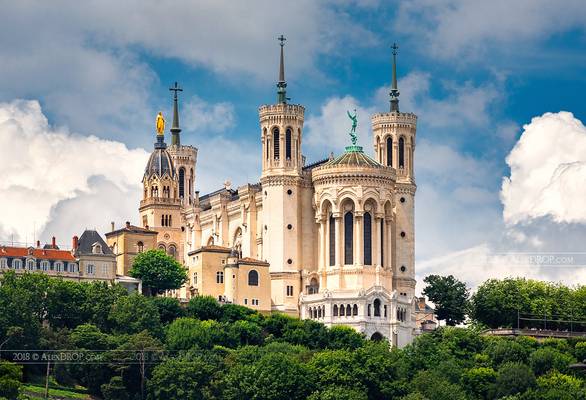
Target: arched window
{"points": [[319, 312], [172, 251], [348, 310], [389, 151], [342, 310], [332, 226], [17, 264], [367, 239], [276, 143], [348, 238], [385, 309], [220, 277], [288, 144], [162, 246], [376, 307], [253, 278], [45, 265], [181, 182], [313, 286], [3, 263], [401, 152], [368, 308], [335, 312], [162, 220], [355, 310], [140, 247], [170, 223], [210, 241], [267, 142], [31, 265]]}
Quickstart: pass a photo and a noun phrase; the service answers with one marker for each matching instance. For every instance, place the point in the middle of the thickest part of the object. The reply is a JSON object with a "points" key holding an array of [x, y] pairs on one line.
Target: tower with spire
{"points": [[284, 192], [394, 146]]}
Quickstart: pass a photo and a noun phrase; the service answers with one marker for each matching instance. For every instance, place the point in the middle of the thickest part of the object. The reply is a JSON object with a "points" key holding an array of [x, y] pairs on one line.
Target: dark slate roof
{"points": [[315, 164], [159, 164], [87, 240]]}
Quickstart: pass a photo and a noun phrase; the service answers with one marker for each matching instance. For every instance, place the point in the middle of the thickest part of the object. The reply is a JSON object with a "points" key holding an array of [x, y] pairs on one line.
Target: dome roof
{"points": [[353, 156], [159, 164]]}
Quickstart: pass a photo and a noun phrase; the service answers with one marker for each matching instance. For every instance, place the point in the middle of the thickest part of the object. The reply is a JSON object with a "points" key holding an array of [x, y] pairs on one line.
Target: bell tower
{"points": [[282, 187], [394, 146]]}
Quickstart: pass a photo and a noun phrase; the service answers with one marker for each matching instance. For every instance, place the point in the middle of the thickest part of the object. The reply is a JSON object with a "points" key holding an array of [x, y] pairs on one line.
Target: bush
{"points": [[548, 358], [513, 378], [10, 379], [204, 308], [501, 351], [169, 309]]}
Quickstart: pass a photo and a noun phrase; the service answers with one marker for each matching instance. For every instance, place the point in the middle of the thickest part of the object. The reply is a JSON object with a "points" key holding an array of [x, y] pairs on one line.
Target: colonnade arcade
{"points": [[355, 233]]}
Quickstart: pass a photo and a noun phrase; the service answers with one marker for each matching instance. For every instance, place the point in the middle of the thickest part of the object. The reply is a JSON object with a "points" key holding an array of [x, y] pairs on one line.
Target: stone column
{"points": [[358, 239], [321, 264], [376, 244], [339, 244]]}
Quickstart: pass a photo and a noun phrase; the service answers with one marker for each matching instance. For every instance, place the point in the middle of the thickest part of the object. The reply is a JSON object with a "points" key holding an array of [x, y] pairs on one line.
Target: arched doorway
{"points": [[377, 337]]}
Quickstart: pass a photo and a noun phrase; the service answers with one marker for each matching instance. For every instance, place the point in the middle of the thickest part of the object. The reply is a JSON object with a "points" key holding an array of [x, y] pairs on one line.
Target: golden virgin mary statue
{"points": [[160, 123]]}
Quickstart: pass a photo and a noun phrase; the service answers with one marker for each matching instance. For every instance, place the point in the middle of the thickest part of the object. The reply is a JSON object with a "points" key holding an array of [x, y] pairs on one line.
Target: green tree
{"points": [[344, 337], [134, 314], [10, 379], [186, 333], [432, 385], [158, 271], [203, 308], [557, 386], [115, 389], [64, 303], [496, 302], [450, 297], [580, 351], [501, 351], [338, 393], [545, 359], [169, 309], [275, 376], [479, 382], [234, 312], [190, 377], [99, 298], [513, 378]]}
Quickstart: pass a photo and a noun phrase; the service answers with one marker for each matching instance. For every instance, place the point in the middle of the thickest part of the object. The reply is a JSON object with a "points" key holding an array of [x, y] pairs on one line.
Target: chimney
{"points": [[146, 227], [127, 224], [112, 225], [38, 244], [53, 243], [422, 303], [75, 243]]}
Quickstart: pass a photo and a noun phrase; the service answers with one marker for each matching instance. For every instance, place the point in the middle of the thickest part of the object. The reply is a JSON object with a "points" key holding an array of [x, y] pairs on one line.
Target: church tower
{"points": [[394, 146], [282, 185]]}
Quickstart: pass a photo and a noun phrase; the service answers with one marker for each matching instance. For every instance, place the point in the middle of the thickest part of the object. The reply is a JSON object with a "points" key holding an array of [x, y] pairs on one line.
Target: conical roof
{"points": [[353, 156]]}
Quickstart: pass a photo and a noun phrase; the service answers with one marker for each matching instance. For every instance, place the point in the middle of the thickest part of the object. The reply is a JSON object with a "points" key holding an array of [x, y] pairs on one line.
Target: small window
{"points": [[403, 234], [140, 247], [403, 268], [245, 301], [31, 265], [289, 291], [90, 269], [3, 263], [72, 267], [253, 278], [97, 249], [45, 265], [105, 269], [195, 278], [220, 277], [402, 199], [17, 264], [335, 310], [377, 307]]}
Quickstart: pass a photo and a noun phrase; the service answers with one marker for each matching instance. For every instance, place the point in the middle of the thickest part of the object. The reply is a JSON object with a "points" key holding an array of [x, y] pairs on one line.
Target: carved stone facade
{"points": [[331, 241]]}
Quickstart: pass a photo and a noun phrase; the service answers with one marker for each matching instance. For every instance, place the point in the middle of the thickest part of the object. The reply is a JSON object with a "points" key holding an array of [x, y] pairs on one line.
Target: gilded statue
{"points": [[160, 123]]}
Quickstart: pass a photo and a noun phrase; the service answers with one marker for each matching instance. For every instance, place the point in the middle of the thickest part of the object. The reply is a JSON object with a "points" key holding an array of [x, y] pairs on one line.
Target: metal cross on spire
{"points": [[175, 89], [282, 40]]}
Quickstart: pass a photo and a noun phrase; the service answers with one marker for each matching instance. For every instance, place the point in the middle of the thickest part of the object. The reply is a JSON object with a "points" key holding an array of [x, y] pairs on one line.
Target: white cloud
{"points": [[548, 171], [329, 130], [461, 29], [44, 165], [201, 116]]}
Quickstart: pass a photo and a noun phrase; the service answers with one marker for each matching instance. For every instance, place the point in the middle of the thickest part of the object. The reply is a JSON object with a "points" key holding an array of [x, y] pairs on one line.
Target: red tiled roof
{"points": [[132, 229], [214, 248], [41, 254]]}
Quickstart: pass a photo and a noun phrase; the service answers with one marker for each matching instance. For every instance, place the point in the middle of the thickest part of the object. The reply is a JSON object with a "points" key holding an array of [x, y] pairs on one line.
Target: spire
{"points": [[175, 130], [394, 90], [281, 84]]}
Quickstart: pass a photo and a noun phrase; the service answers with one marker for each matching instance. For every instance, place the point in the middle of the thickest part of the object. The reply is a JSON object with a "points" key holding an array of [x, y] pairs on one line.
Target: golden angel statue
{"points": [[160, 123]]}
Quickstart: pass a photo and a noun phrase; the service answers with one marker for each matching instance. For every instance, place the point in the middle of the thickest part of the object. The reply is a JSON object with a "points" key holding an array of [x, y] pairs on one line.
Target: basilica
{"points": [[331, 241]]}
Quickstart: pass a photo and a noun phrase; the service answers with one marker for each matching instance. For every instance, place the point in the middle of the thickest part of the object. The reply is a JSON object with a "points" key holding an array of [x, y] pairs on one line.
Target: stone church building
{"points": [[331, 241]]}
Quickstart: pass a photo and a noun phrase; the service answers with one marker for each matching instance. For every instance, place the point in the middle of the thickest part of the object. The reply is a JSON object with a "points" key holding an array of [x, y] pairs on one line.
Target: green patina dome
{"points": [[353, 156]]}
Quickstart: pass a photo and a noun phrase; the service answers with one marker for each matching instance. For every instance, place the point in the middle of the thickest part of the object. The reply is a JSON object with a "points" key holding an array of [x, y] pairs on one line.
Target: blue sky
{"points": [[81, 85]]}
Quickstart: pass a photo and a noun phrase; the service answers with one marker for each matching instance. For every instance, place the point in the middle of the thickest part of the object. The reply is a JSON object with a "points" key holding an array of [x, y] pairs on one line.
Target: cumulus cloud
{"points": [[452, 29], [45, 165], [199, 116], [327, 131], [86, 62], [548, 171]]}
